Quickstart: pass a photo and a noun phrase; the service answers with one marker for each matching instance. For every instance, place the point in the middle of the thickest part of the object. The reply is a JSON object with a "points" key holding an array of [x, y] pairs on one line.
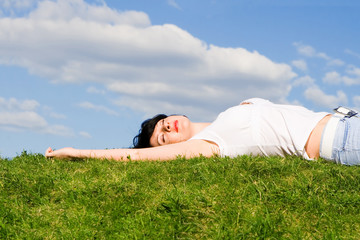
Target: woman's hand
{"points": [[62, 153]]}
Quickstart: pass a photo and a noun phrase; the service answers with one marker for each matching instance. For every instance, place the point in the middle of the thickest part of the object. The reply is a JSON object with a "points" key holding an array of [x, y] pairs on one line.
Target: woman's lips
{"points": [[176, 125]]}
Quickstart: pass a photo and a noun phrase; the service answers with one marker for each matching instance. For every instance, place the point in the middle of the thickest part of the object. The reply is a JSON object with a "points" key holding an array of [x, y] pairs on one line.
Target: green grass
{"points": [[217, 198]]}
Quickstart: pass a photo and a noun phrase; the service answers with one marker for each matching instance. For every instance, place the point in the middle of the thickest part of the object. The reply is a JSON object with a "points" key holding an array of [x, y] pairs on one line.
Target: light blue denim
{"points": [[346, 145]]}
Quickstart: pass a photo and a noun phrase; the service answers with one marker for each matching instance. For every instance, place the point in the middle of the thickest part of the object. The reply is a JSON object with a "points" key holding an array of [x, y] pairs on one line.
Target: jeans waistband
{"points": [[327, 137]]}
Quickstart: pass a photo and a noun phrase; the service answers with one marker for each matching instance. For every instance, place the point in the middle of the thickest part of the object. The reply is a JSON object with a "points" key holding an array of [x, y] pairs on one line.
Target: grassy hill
{"points": [[218, 198]]}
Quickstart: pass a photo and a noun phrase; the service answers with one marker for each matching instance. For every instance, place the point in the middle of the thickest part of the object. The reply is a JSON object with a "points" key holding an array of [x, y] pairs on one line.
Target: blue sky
{"points": [[85, 74]]}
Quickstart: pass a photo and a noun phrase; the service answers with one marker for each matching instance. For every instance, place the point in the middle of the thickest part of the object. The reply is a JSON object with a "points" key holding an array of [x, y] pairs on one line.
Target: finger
{"points": [[49, 152]]}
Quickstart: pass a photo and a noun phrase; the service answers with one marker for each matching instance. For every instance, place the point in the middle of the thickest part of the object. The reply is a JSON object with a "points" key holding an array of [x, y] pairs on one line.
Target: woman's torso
{"points": [[264, 128]]}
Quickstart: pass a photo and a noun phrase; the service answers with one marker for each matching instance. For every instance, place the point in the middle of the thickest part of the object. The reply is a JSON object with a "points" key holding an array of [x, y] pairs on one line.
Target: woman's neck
{"points": [[198, 127]]}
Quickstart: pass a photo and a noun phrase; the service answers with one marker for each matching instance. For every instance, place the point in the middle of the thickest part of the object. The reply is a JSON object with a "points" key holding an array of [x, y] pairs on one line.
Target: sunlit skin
{"points": [[172, 138], [174, 129]]}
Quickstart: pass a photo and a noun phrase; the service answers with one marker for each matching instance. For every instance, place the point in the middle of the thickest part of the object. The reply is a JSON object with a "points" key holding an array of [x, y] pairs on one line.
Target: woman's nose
{"points": [[167, 127]]}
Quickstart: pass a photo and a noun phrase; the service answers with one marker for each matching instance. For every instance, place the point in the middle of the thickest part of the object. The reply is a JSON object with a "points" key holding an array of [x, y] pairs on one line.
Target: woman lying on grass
{"points": [[255, 127]]}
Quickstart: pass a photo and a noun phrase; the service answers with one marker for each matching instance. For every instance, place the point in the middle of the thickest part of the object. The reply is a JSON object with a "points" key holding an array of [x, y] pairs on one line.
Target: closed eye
{"points": [[162, 136], [161, 139]]}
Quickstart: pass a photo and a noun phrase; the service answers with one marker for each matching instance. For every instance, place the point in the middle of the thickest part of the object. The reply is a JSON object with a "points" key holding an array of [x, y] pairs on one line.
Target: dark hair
{"points": [[142, 140]]}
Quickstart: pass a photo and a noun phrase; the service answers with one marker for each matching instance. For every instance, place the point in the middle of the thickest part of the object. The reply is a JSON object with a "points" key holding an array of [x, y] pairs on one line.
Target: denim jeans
{"points": [[346, 145]]}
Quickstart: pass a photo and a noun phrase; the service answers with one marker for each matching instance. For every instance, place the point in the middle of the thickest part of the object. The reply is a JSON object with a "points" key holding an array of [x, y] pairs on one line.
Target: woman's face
{"points": [[172, 129]]}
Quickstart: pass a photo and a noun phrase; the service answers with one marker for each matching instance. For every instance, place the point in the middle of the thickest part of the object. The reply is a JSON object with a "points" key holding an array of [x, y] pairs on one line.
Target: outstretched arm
{"points": [[187, 149]]}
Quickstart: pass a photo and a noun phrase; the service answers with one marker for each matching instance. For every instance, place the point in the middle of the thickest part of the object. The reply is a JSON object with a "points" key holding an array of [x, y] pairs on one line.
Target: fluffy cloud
{"points": [[15, 105], [332, 78], [21, 115], [95, 90], [316, 95], [350, 52], [11, 7], [300, 64], [173, 4], [309, 51], [304, 81], [67, 10], [356, 101], [98, 108], [85, 134], [353, 77], [72, 41], [336, 62]]}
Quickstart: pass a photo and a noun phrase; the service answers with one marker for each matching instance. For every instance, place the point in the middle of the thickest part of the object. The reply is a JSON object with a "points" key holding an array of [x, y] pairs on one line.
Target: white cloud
{"points": [[26, 120], [332, 78], [7, 4], [57, 115], [174, 4], [59, 130], [15, 105], [300, 64], [350, 52], [356, 101], [12, 7], [99, 108], [17, 115], [336, 62], [85, 134], [155, 107], [72, 41], [49, 112], [305, 50], [316, 95], [353, 77], [95, 90], [309, 51], [68, 10], [304, 81], [353, 71]]}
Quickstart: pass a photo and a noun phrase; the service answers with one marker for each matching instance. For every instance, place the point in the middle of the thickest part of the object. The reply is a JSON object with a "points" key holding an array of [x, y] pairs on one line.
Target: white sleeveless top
{"points": [[262, 128]]}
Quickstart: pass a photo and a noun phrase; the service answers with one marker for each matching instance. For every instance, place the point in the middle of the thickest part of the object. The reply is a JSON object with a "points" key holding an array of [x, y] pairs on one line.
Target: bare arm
{"points": [[187, 149]]}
